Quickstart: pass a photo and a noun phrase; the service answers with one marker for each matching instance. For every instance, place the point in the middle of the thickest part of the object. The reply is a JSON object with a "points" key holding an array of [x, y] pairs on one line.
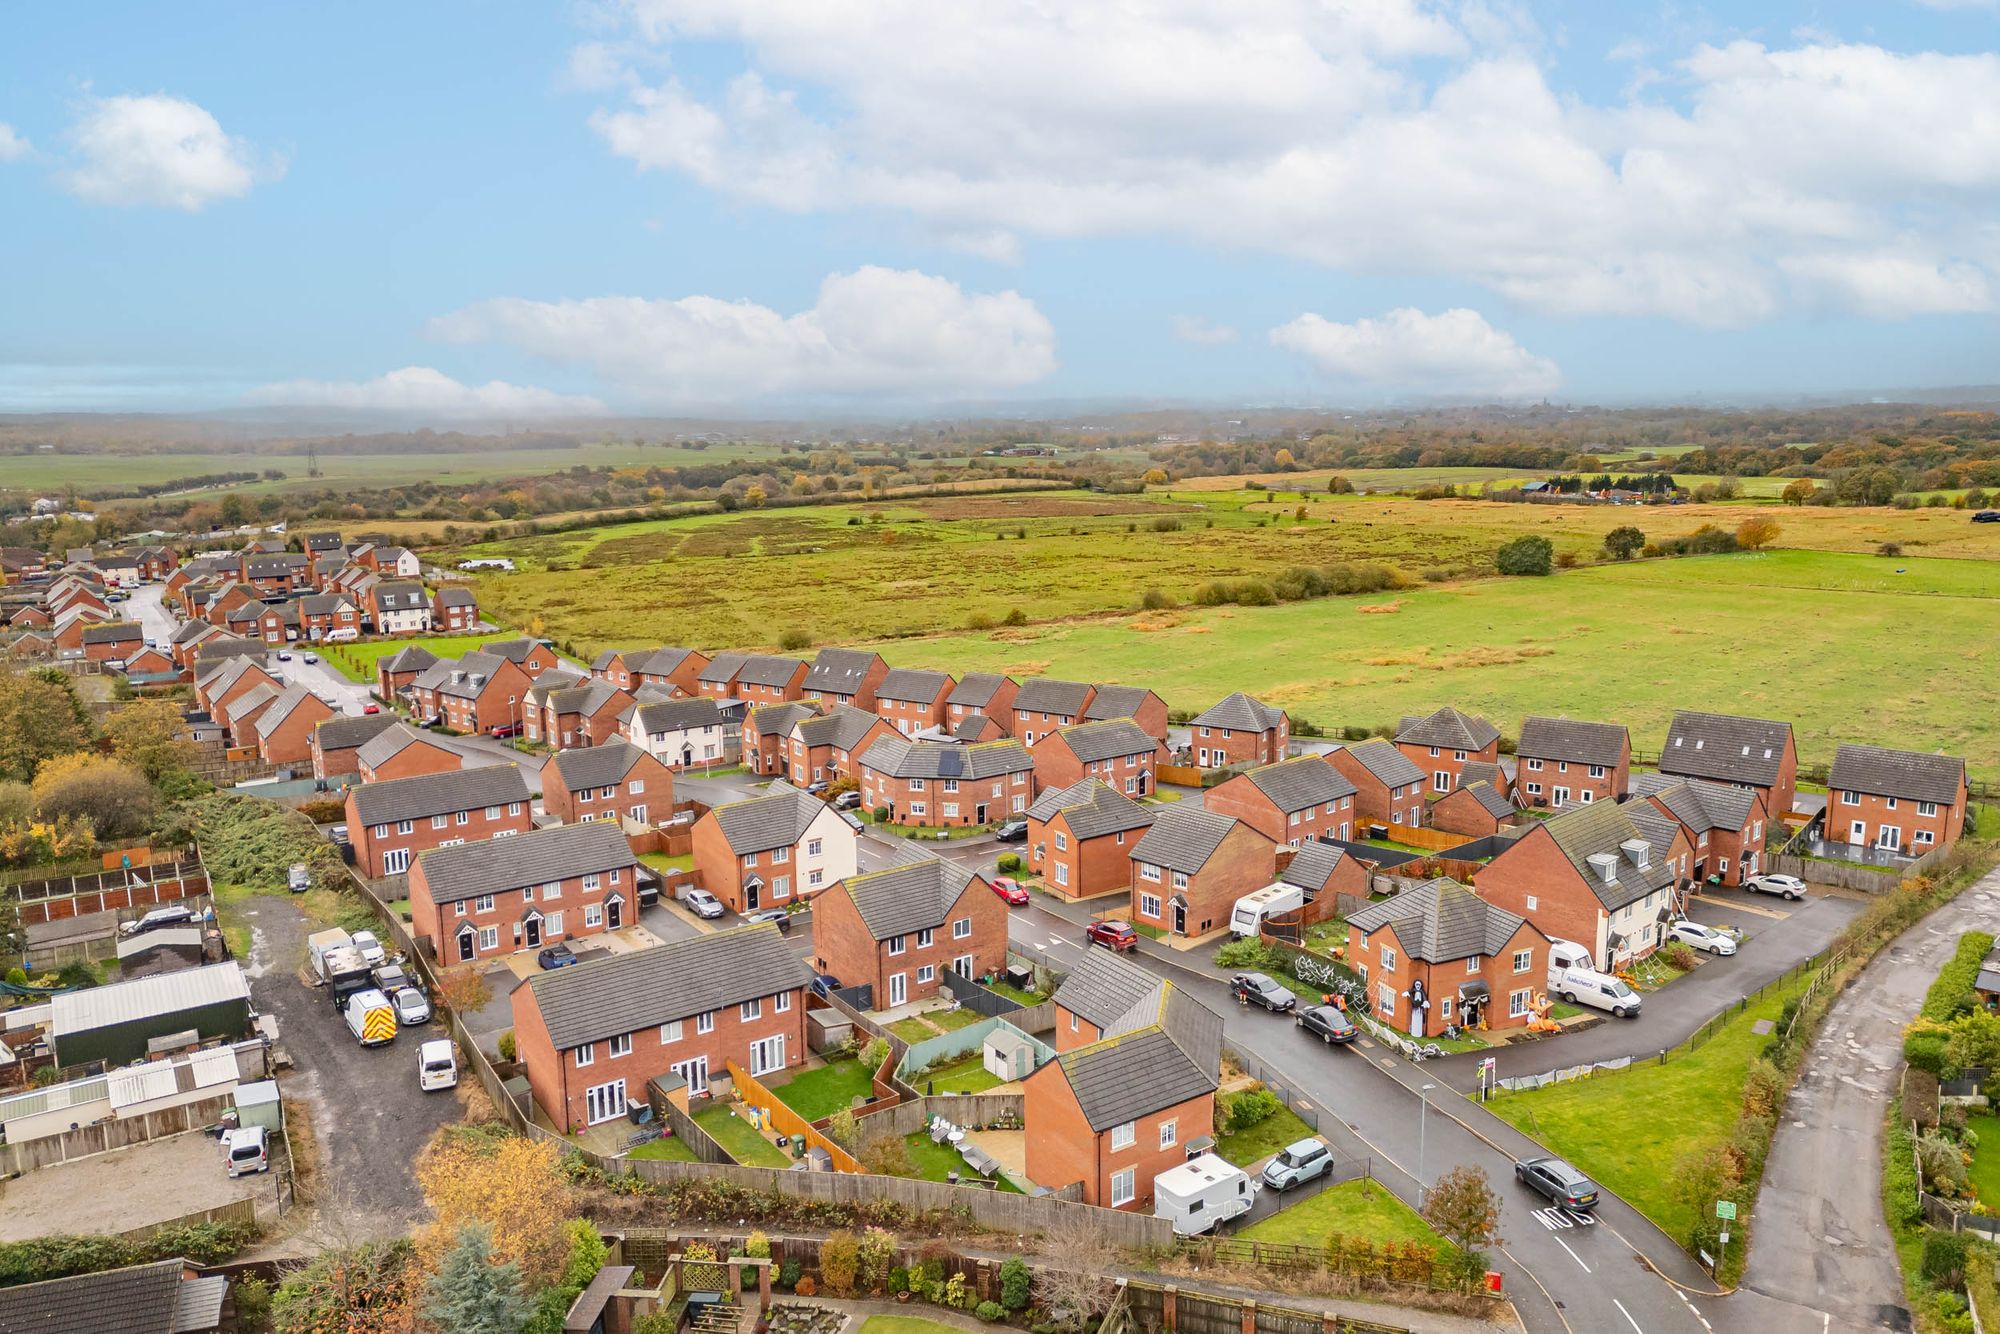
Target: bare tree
{"points": [[1074, 1286]]}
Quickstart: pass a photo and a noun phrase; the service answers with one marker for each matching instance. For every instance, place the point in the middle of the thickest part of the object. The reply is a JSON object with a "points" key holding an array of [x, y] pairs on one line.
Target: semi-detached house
{"points": [[983, 694], [845, 676], [911, 700], [284, 730], [401, 751], [772, 850], [1293, 801], [337, 742], [593, 1035], [941, 784], [1142, 706], [613, 782], [1080, 838], [900, 929], [1726, 826], [1118, 752], [389, 824], [484, 899], [1239, 730], [1388, 787], [682, 733], [829, 747], [1044, 704], [767, 732], [1899, 800]]}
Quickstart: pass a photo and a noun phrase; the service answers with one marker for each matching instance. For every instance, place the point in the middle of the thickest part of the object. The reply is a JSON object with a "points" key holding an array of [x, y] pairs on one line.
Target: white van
{"points": [[1587, 986], [437, 1066], [246, 1150], [1246, 921], [1563, 956], [341, 636], [1201, 1193]]}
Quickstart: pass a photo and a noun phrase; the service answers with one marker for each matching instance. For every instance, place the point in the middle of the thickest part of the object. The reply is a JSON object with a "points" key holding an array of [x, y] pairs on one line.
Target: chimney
{"points": [[1639, 850], [1606, 866]]}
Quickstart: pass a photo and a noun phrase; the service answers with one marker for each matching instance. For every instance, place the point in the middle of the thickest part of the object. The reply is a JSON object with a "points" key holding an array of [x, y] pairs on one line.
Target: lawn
{"points": [[912, 1029], [904, 1324], [661, 862], [936, 1162], [1985, 1170], [1353, 1209], [357, 661], [671, 1148], [825, 1090], [1015, 993], [740, 1138], [953, 1020], [971, 1076], [1612, 1127], [1265, 1138]]}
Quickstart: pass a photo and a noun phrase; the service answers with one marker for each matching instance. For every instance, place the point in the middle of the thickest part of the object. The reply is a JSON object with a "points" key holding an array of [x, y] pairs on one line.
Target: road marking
{"points": [[1579, 1259], [1628, 1316], [1695, 1311]]}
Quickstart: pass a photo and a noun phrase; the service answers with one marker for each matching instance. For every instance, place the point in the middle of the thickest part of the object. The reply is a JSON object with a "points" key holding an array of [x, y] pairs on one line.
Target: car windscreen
{"points": [[1621, 991]]}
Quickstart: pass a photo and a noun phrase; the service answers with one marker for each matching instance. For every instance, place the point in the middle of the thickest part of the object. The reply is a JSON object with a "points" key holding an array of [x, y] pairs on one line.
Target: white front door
{"points": [[604, 1102], [899, 988], [1857, 833], [767, 1054], [395, 861], [695, 1072]]}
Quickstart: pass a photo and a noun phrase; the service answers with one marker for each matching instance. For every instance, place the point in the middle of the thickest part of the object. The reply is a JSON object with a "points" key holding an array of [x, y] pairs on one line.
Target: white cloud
{"points": [[12, 144], [874, 330], [1454, 354], [1196, 330], [1891, 286], [420, 389], [162, 151], [1397, 137]]}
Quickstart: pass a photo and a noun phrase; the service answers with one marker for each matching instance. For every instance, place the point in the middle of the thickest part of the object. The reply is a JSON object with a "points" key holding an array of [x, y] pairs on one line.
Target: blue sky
{"points": [[749, 206]]}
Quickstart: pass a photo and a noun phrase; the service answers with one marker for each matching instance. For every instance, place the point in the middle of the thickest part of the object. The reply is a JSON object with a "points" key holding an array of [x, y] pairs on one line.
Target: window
{"points": [[1892, 803], [513, 808], [1151, 873], [926, 973], [586, 1054], [951, 810], [897, 945], [1925, 838], [484, 903], [553, 924], [439, 821], [1517, 1004], [1531, 902], [916, 785], [1472, 964], [1523, 960], [619, 1046], [670, 1032], [1927, 809], [815, 878], [1597, 771], [528, 894], [1534, 789], [782, 1003], [1170, 1133], [961, 929], [1444, 1008], [779, 856], [382, 830], [462, 817], [918, 808], [1122, 1187], [1534, 766], [1434, 752], [813, 847], [1388, 959], [1062, 841], [1062, 873], [1149, 905], [590, 881], [489, 938], [1180, 880], [924, 938], [1122, 1135], [750, 1009], [593, 915], [492, 812], [951, 785], [1385, 999], [1850, 798]]}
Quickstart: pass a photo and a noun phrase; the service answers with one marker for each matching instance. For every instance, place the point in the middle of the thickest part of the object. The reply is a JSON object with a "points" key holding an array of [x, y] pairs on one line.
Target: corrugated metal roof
{"points": [[142, 998]]}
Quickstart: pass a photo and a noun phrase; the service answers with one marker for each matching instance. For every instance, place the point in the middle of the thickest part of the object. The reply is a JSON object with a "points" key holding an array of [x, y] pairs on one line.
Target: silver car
{"points": [[412, 1009], [702, 903], [1703, 937], [1786, 886]]}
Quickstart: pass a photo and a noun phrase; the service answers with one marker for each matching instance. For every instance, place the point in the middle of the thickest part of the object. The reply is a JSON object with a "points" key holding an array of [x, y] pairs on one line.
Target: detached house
{"points": [[1192, 865], [1725, 825], [898, 930], [673, 670], [1746, 752], [845, 676], [1119, 752], [770, 850], [480, 692], [402, 751], [215, 688], [682, 733], [399, 607], [114, 641], [1293, 801], [827, 748], [401, 669], [1388, 788], [767, 730], [1133, 1083], [1137, 703], [532, 656], [1441, 744], [912, 701], [573, 713], [1561, 760], [1240, 730], [985, 694], [500, 896], [1601, 875], [284, 730], [1044, 704], [323, 614], [1902, 800], [937, 783], [390, 823], [1080, 838], [337, 742], [455, 610], [614, 781], [1438, 954], [593, 1035]]}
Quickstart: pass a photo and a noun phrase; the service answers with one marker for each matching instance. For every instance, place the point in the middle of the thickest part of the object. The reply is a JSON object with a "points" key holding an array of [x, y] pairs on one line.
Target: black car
{"points": [[1987, 516], [556, 956], [1258, 989], [1014, 831], [1327, 1022], [1563, 1184]]}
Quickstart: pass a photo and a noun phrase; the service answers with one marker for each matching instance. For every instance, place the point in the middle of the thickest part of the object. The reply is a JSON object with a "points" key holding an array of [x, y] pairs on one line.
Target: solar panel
{"points": [[951, 764]]}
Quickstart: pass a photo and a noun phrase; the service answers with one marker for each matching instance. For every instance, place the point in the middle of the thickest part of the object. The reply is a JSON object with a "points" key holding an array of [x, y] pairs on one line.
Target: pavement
{"points": [[1825, 1258]]}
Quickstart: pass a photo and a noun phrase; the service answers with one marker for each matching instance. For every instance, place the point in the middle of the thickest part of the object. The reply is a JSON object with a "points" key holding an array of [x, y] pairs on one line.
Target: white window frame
{"points": [[621, 1045], [1124, 1187], [1124, 1135]]}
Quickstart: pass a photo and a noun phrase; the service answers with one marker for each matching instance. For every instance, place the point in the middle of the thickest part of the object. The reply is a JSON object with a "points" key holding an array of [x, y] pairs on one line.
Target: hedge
{"points": [[60, 1256], [1951, 994]]}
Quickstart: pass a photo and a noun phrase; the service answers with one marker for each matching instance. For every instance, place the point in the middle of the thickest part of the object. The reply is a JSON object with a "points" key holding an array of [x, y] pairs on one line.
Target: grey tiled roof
{"points": [[255, 697], [722, 668], [1239, 713], [426, 795], [597, 766], [900, 757], [780, 719], [1388, 764], [386, 745], [1909, 774], [664, 661], [913, 684], [1297, 785], [1166, 1050], [113, 632], [840, 671], [675, 715], [141, 1299], [1313, 866], [1093, 742], [1104, 987], [474, 671], [1572, 740], [1603, 828], [1441, 921], [1091, 808], [1116, 702], [283, 707], [1726, 748], [1489, 799], [841, 727], [456, 597], [1482, 771], [1448, 729], [347, 733], [763, 669], [415, 658], [909, 897], [1698, 804], [1183, 838], [515, 651], [976, 689], [1046, 694], [646, 988], [399, 595], [539, 857], [776, 820], [323, 604]]}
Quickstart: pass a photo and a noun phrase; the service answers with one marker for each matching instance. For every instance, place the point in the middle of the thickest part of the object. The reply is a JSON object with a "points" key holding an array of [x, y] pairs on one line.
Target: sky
{"points": [[509, 211]]}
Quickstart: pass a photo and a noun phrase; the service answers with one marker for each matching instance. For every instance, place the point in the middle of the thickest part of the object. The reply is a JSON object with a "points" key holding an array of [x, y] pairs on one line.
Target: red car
{"points": [[1113, 935], [1010, 890], [373, 708]]}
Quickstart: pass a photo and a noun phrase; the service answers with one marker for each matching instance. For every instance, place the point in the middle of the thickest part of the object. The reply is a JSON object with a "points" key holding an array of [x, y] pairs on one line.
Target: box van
{"points": [[319, 943], [1587, 986], [1563, 956], [1247, 920], [437, 1066], [246, 1150], [1201, 1193]]}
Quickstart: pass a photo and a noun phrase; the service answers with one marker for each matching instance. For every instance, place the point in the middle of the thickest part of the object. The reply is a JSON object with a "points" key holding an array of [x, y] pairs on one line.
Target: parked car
{"points": [[1328, 1022], [816, 789], [1261, 989], [1113, 934], [854, 822], [299, 879], [1703, 937], [370, 947], [504, 731], [412, 1007], [390, 979], [1559, 1181], [1587, 986], [157, 918], [701, 903], [1010, 889], [1013, 831], [777, 917], [823, 983], [1296, 1164], [283, 656], [246, 1149], [557, 955], [372, 708], [437, 1066], [1987, 516], [848, 800], [312, 657], [1786, 886]]}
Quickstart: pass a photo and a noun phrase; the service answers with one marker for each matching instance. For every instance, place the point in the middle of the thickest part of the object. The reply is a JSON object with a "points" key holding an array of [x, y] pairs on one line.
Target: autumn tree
{"points": [[1463, 1209], [754, 497], [1759, 530], [146, 734], [1798, 491], [1697, 1180], [1283, 458], [38, 721], [1154, 477], [482, 1174], [471, 1293], [113, 795], [1624, 542], [361, 1289]]}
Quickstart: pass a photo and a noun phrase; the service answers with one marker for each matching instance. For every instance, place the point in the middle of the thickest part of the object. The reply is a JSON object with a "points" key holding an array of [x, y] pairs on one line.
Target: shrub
{"points": [[506, 1044], [839, 1262], [876, 1052], [989, 1311], [882, 815], [1249, 1107], [793, 640], [1951, 993], [788, 1274], [1009, 862], [757, 1246], [1679, 956], [1943, 1261], [1889, 549], [805, 1287], [1016, 1283], [1943, 1166], [874, 1254], [899, 1281], [979, 620], [1242, 953], [1016, 617], [1899, 1176], [253, 1302], [958, 1294], [1525, 556], [1155, 600]]}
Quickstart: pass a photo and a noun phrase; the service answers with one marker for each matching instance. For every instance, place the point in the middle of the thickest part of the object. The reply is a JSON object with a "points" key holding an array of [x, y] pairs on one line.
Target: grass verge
{"points": [[1260, 1141], [1353, 1209]]}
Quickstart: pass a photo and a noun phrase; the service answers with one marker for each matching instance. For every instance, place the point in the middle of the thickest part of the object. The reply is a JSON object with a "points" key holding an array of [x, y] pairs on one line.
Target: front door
{"points": [[767, 1054], [533, 931], [1857, 833], [604, 1102], [468, 945], [750, 891], [695, 1072], [614, 913], [1180, 918], [979, 814], [899, 988]]}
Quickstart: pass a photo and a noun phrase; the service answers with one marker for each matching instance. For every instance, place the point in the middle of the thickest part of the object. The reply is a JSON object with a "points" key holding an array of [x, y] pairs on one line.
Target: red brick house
{"points": [[389, 824], [614, 781], [1322, 868], [532, 656], [828, 747], [1388, 788], [767, 732], [593, 1035], [484, 899], [1142, 706], [984, 693], [1475, 809], [320, 614], [1133, 1083], [912, 701], [845, 676], [31, 618], [1602, 875], [1476, 771], [1902, 800], [1189, 869], [675, 670], [898, 930], [1293, 801], [475, 693], [238, 714], [1561, 760], [717, 677], [1044, 704], [935, 784], [149, 666], [114, 641], [216, 688], [571, 714], [1438, 954], [1725, 825], [772, 850], [273, 575], [1240, 730], [455, 610], [403, 752], [400, 670], [284, 730], [1442, 744], [1080, 839], [1746, 752], [1119, 752], [970, 730], [337, 742], [764, 678]]}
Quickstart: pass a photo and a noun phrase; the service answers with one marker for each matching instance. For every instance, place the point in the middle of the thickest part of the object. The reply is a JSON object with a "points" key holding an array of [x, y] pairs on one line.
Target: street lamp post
{"points": [[1423, 1125]]}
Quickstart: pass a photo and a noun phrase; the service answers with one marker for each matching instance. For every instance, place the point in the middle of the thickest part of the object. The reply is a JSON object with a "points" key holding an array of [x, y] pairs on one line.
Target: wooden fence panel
{"points": [[785, 1120]]}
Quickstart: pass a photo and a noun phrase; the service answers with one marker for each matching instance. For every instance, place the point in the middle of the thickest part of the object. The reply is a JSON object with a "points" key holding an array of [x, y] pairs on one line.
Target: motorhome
{"points": [[1254, 909], [345, 973], [1201, 1193]]}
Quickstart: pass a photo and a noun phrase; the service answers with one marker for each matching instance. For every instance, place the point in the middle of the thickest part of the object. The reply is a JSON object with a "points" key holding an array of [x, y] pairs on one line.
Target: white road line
{"points": [[1579, 1259], [1628, 1316], [1694, 1310], [1825, 1321]]}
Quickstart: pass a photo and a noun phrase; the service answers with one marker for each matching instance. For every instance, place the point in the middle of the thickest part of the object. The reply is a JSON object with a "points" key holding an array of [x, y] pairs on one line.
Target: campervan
{"points": [[1201, 1193]]}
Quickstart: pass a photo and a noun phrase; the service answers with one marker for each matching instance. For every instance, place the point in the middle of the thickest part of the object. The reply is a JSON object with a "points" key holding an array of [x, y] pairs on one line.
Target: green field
{"points": [[357, 661]]}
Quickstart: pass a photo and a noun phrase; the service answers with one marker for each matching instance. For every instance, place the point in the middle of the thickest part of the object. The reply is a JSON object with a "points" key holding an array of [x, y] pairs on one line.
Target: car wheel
{"points": [[1520, 1173], [1617, 1012], [1329, 1039], [1794, 897], [1569, 997]]}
